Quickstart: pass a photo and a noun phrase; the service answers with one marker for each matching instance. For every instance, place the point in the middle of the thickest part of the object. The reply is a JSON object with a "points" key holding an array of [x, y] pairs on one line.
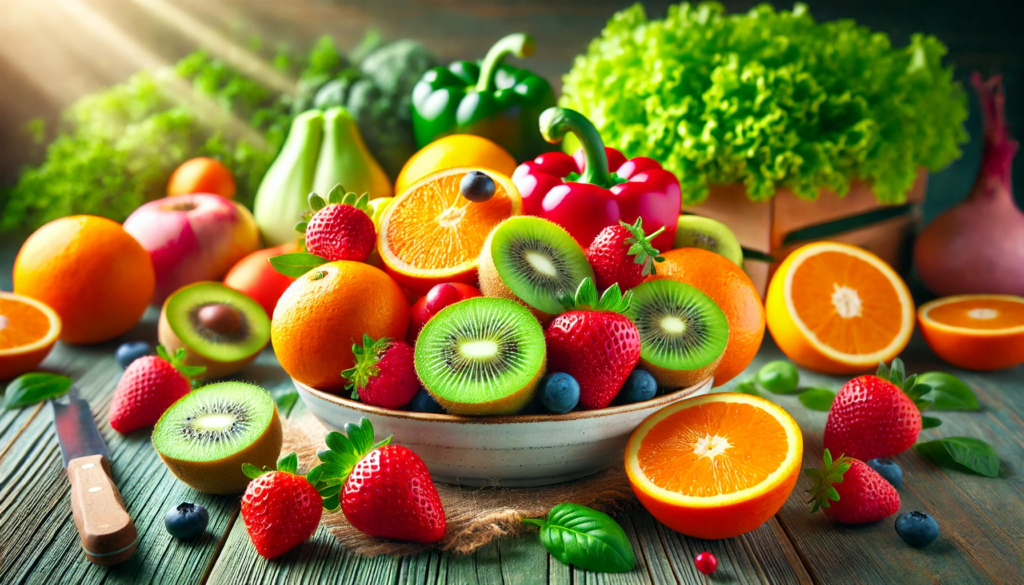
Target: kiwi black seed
{"points": [[205, 437], [683, 333], [532, 261], [481, 356]]}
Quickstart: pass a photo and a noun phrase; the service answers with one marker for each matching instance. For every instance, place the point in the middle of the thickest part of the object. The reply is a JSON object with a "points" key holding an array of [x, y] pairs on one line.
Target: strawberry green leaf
{"points": [[640, 246], [301, 226], [251, 471], [34, 387], [930, 422], [314, 474], [295, 265], [831, 472], [331, 490], [289, 463], [818, 399], [178, 361], [897, 372], [947, 392], [332, 503], [883, 371], [962, 453], [316, 202], [337, 195], [343, 454], [339, 443], [367, 356]]}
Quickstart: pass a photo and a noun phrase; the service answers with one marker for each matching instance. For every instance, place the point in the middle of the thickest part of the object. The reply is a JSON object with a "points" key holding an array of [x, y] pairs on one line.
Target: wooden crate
{"points": [[764, 226]]}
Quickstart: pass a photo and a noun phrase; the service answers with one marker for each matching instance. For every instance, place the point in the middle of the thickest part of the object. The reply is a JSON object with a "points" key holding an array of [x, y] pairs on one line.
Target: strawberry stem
{"points": [[586, 299], [641, 247], [822, 480], [367, 355], [178, 361], [895, 373], [343, 453]]}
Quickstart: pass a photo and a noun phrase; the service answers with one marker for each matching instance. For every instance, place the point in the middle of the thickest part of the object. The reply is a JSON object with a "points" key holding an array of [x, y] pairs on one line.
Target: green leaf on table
{"points": [[818, 399], [286, 402], [581, 536], [747, 387], [948, 392], [28, 389], [295, 265], [962, 453], [930, 422]]}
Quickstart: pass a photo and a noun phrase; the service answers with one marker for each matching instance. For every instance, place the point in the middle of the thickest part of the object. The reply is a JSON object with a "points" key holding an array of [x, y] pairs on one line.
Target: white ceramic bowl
{"points": [[511, 451]]}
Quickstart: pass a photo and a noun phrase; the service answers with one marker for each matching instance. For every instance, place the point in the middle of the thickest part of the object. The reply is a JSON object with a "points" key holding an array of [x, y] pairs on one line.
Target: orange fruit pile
{"points": [[28, 331], [432, 234], [91, 272], [733, 292], [715, 466], [977, 332], [838, 309]]}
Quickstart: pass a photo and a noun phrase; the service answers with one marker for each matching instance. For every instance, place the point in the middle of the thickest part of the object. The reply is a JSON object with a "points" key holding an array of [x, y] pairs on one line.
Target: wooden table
{"points": [[981, 519]]}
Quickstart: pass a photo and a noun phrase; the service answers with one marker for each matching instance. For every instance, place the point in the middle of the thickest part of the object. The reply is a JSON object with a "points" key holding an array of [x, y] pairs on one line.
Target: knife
{"points": [[107, 532]]}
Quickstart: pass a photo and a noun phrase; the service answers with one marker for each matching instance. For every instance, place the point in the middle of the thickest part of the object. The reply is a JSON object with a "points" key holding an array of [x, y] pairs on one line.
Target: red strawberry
{"points": [[622, 254], [872, 416], [858, 493], [387, 490], [341, 228], [148, 387], [594, 343], [384, 374], [281, 510]]}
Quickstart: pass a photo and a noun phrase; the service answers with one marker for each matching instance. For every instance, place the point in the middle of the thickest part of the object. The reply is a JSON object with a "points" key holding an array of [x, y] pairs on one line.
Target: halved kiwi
{"points": [[219, 327], [683, 333], [481, 356], [532, 261], [205, 437], [694, 231]]}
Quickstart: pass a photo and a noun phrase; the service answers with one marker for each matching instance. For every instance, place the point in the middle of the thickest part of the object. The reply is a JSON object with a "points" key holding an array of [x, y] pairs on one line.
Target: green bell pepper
{"points": [[489, 99]]}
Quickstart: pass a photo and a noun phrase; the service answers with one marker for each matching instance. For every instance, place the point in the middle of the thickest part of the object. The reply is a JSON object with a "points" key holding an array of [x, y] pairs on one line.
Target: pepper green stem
{"points": [[519, 44], [556, 123]]}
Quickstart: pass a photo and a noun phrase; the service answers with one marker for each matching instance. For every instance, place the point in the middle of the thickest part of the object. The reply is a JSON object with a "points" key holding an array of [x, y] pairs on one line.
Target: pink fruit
{"points": [[192, 238], [437, 298], [978, 246]]}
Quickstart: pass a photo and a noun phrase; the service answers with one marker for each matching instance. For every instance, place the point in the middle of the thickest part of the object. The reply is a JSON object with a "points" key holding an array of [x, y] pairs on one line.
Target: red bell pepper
{"points": [[581, 195]]}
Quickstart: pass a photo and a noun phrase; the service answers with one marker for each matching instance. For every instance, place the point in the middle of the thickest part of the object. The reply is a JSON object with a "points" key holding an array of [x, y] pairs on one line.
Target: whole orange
{"points": [[449, 152], [733, 292], [91, 272], [201, 175], [327, 310]]}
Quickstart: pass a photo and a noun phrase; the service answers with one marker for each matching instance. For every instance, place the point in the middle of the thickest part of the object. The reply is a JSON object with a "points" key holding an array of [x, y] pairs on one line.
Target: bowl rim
{"points": [[656, 402]]}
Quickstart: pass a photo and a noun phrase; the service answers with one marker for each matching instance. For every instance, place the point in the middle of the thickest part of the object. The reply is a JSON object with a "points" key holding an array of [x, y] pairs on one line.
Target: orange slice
{"points": [[977, 332], [838, 309], [28, 330], [432, 234], [715, 466]]}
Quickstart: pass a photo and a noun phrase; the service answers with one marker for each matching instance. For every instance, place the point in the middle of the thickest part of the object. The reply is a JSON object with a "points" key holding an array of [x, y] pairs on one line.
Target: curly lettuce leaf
{"points": [[771, 99]]}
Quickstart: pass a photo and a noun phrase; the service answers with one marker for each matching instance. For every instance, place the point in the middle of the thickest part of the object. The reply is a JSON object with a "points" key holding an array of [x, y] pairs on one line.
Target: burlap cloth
{"points": [[475, 516]]}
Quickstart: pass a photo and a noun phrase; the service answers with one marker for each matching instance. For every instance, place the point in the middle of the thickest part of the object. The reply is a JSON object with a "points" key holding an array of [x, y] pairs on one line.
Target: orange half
{"points": [[839, 309], [715, 466], [977, 332], [432, 234], [28, 331]]}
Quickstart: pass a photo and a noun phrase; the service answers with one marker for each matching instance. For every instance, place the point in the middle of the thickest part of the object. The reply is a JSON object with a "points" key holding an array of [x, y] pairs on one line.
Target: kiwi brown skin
{"points": [[491, 284], [224, 476], [510, 404], [214, 369], [676, 379]]}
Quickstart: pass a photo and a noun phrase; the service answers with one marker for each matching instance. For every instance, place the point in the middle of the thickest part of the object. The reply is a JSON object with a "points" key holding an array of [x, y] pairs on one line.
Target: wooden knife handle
{"points": [[108, 533]]}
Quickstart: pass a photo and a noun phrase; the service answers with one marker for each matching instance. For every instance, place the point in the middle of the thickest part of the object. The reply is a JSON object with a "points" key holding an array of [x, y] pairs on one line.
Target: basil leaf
{"points": [[962, 453], [295, 265], [930, 422], [948, 392], [818, 399], [34, 387], [581, 536], [286, 402]]}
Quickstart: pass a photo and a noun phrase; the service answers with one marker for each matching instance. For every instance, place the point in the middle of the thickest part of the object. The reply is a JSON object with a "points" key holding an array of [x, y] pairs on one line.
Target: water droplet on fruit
{"points": [[220, 318]]}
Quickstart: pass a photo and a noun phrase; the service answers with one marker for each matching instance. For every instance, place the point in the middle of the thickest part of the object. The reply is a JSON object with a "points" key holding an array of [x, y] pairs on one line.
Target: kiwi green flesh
{"points": [[694, 231], [537, 260], [214, 422], [185, 308], [481, 351], [680, 327]]}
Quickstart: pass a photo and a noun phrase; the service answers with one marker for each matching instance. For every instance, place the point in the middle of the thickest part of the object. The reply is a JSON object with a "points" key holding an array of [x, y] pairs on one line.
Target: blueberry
{"points": [[186, 521], [477, 186], [888, 469], [639, 386], [559, 392], [917, 528], [778, 377], [131, 351], [424, 402]]}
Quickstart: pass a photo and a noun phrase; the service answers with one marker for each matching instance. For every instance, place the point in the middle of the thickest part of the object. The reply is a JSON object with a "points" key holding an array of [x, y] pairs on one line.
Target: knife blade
{"points": [[106, 530]]}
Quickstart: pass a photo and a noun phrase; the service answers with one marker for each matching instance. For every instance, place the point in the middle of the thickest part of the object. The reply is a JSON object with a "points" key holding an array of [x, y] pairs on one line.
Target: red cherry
{"points": [[706, 563], [436, 299], [440, 297]]}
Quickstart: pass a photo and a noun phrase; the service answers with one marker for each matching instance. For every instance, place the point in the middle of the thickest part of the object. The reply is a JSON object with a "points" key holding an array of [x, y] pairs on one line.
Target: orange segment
{"points": [[715, 466], [432, 234], [977, 332], [28, 331], [837, 308]]}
